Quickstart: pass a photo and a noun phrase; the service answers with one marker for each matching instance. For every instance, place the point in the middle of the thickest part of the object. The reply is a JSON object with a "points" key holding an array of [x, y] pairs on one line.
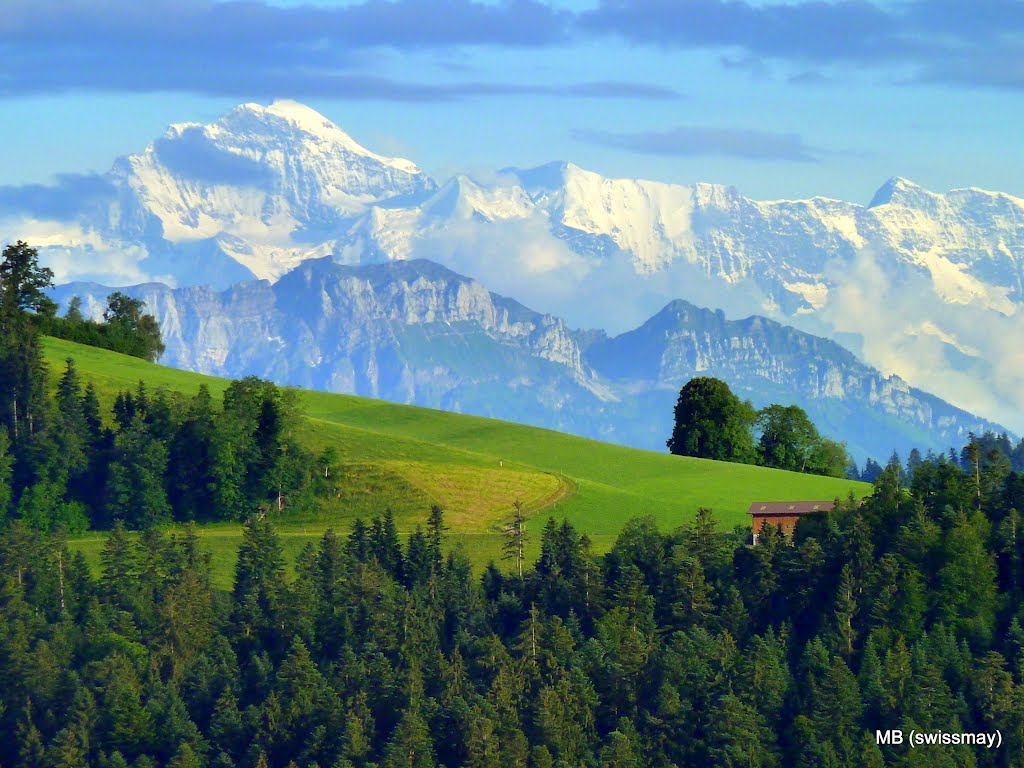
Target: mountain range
{"points": [[925, 286], [413, 331]]}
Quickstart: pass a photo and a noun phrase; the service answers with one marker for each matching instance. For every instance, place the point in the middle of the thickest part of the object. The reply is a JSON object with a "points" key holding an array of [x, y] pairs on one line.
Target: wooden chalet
{"points": [[783, 514]]}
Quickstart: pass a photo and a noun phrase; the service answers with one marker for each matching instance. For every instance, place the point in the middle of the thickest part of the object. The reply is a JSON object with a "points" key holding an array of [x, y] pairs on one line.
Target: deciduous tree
{"points": [[712, 423]]}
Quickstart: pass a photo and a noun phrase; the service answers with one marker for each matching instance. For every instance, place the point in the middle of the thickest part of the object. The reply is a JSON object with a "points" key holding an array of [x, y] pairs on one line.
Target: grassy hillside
{"points": [[408, 458]]}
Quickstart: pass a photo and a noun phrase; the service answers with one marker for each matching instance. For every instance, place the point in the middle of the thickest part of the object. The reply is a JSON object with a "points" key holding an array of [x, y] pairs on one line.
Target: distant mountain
{"points": [[250, 195], [927, 286], [767, 362], [416, 332]]}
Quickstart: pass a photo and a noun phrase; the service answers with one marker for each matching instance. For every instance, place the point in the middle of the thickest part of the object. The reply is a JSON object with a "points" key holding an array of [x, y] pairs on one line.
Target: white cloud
{"points": [[965, 353]]}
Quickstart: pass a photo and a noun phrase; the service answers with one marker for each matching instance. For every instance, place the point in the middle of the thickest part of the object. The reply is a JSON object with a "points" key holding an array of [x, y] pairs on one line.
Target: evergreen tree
{"points": [[259, 587], [72, 432], [25, 280], [385, 546], [966, 595], [738, 737], [419, 561], [31, 752], [914, 460], [120, 569], [23, 398], [872, 470], [226, 729], [436, 530], [73, 313], [482, 746], [191, 476], [6, 471], [124, 723], [624, 747], [515, 537], [410, 745], [135, 487]]}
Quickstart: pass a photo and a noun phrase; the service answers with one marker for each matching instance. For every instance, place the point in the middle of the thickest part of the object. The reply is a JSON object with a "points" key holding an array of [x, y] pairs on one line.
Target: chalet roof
{"points": [[789, 507]]}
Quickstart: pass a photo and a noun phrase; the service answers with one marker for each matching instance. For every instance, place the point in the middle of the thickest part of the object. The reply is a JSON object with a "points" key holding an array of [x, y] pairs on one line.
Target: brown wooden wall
{"points": [[786, 522]]}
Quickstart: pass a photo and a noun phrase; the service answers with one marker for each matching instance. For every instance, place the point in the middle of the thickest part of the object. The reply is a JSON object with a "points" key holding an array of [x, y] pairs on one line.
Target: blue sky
{"points": [[780, 99]]}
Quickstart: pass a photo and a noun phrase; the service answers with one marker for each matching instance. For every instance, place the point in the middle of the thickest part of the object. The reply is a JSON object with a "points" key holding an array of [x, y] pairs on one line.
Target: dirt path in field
{"points": [[565, 489]]}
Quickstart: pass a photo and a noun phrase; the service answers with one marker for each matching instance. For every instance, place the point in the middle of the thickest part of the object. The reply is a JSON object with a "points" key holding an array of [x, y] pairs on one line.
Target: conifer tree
{"points": [[419, 560], [482, 745], [31, 751], [185, 757], [515, 537], [259, 586], [436, 530], [73, 313], [385, 545], [72, 432], [23, 397], [135, 487], [225, 727], [738, 737], [966, 596], [844, 612], [67, 750], [764, 678], [6, 471], [120, 569], [124, 723], [359, 729], [410, 745], [623, 748]]}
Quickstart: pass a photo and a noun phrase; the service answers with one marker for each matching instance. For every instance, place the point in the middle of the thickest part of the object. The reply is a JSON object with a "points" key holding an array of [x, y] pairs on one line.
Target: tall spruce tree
{"points": [[515, 534], [135, 487]]}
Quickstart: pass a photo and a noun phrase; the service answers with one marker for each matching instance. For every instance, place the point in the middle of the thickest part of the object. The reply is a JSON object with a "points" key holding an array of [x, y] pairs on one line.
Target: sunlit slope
{"points": [[476, 467], [613, 483]]}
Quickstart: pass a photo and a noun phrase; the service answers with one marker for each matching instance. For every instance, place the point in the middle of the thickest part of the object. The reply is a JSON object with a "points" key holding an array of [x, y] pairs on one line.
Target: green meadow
{"points": [[407, 458]]}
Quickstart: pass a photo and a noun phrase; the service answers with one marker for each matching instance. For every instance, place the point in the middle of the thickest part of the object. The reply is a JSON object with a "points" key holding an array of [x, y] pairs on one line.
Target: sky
{"points": [[779, 99]]}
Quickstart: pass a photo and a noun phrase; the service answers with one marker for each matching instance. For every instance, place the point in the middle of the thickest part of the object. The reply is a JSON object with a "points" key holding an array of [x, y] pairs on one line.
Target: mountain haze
{"points": [[416, 332]]}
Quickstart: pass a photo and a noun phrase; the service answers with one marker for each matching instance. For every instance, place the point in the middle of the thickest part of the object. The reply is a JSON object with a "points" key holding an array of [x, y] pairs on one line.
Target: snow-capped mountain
{"points": [[923, 285], [250, 195], [416, 332]]}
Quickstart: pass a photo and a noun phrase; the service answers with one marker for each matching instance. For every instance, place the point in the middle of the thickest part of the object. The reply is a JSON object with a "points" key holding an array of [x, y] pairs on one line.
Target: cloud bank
{"points": [[688, 140], [252, 48]]}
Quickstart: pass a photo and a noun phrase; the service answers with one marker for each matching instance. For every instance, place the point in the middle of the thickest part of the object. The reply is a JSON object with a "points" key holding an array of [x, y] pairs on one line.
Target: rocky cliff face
{"points": [[768, 362], [415, 332], [409, 332]]}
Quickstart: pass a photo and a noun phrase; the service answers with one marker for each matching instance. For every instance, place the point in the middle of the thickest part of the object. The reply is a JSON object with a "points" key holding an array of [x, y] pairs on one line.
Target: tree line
{"points": [[676, 648], [154, 457], [711, 422], [126, 328]]}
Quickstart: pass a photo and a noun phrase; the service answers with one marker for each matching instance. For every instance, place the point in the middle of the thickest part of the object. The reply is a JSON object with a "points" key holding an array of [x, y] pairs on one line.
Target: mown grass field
{"points": [[408, 458]]}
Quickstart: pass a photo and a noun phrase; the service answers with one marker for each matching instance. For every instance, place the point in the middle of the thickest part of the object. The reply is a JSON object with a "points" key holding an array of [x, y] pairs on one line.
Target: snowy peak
{"points": [[288, 121], [263, 187], [901, 191], [288, 147], [463, 198]]}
